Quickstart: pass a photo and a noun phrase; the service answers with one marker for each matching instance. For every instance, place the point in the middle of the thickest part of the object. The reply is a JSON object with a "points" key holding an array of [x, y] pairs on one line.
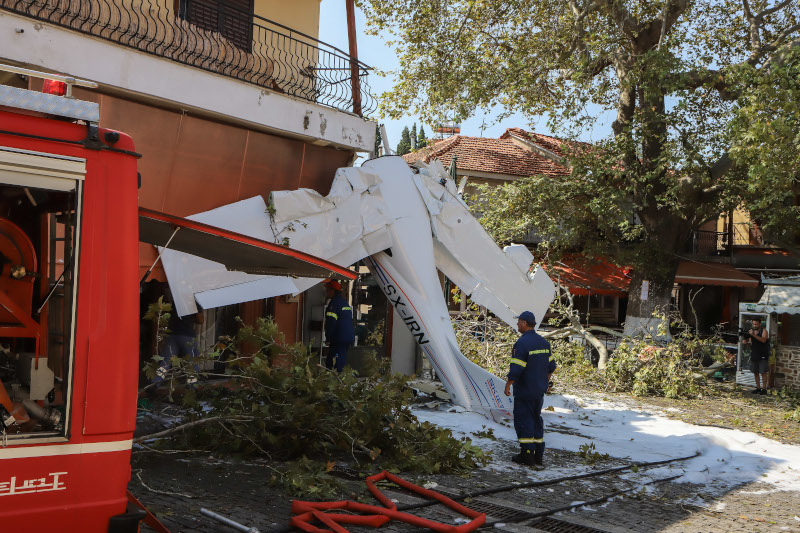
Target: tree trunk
{"points": [[649, 298]]}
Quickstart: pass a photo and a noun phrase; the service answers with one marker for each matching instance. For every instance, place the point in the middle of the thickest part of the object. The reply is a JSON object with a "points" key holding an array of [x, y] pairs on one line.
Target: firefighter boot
{"points": [[538, 456], [524, 457]]}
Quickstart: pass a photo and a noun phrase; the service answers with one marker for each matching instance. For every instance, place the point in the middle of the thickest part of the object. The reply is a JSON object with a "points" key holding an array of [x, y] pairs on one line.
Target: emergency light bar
{"points": [[51, 102], [69, 81]]}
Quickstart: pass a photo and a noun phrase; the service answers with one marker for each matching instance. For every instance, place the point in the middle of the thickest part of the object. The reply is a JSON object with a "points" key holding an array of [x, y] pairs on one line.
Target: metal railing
{"points": [[236, 43], [708, 243]]}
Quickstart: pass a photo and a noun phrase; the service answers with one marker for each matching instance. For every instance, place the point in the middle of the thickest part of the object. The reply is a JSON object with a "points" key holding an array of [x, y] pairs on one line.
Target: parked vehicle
{"points": [[70, 229]]}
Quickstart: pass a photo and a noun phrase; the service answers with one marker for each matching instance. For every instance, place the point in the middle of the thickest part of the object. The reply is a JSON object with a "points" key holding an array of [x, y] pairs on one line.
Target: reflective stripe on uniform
{"points": [[530, 440], [534, 352], [332, 314], [515, 361], [347, 308], [552, 357]]}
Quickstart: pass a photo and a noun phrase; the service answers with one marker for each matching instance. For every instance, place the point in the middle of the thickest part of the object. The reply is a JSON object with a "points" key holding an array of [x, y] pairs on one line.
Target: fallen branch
{"points": [[188, 425], [608, 331], [146, 448], [568, 310], [558, 332], [138, 473]]}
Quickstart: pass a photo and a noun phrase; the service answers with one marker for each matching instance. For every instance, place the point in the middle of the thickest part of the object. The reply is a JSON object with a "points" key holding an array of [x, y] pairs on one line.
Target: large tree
{"points": [[705, 97]]}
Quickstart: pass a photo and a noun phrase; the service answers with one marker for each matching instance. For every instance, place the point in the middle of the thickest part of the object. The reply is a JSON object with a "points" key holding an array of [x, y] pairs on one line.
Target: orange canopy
{"points": [[584, 276]]}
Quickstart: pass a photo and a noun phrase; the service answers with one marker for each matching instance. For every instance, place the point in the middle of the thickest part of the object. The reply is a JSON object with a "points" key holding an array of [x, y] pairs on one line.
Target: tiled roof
{"points": [[553, 144], [499, 156]]}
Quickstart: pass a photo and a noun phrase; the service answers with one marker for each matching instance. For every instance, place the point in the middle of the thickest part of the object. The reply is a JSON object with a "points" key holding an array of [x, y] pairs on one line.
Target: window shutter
{"points": [[232, 19]]}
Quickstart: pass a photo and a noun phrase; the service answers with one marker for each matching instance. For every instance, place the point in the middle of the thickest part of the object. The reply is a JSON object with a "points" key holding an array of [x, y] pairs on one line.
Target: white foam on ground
{"points": [[727, 457]]}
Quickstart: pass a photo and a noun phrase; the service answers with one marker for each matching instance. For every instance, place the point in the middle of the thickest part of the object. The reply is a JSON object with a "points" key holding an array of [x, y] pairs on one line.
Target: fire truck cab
{"points": [[69, 306], [70, 228]]}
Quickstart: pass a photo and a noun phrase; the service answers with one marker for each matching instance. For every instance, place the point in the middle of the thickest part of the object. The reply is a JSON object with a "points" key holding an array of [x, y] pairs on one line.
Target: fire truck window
{"points": [[38, 236]]}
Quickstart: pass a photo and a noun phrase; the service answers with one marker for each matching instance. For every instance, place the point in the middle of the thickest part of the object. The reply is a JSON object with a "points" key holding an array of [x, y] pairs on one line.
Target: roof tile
{"points": [[498, 156]]}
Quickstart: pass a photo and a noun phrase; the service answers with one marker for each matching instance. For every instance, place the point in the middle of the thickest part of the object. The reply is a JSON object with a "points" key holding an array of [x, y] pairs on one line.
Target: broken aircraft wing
{"points": [[222, 251], [503, 281], [427, 226]]}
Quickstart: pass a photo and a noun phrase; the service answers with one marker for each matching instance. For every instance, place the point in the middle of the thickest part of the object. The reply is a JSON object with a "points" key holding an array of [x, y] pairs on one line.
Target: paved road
{"points": [[177, 486]]}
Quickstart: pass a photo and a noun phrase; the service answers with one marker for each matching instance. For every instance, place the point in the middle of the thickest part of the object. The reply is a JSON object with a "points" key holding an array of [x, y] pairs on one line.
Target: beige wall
{"points": [[741, 218], [300, 15]]}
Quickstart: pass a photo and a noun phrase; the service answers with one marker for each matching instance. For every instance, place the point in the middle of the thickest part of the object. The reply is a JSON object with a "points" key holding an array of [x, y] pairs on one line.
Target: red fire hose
{"points": [[375, 516]]}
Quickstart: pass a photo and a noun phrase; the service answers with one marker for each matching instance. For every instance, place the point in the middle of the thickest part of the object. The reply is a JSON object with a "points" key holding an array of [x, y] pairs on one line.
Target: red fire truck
{"points": [[69, 307]]}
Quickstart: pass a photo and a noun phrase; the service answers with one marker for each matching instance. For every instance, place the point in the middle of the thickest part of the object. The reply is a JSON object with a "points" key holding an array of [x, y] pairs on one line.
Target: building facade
{"points": [[225, 100]]}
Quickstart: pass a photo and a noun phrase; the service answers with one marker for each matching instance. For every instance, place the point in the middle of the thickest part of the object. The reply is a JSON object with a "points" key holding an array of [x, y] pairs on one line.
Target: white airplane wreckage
{"points": [[406, 224]]}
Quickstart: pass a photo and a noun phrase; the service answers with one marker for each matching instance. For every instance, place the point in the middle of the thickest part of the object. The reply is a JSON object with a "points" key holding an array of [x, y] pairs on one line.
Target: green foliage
{"points": [[404, 146], [765, 139], [793, 398], [422, 139], [484, 340], [282, 405], [705, 113], [376, 336], [647, 370], [412, 140], [575, 366], [670, 371], [636, 366], [307, 478], [589, 455], [485, 433]]}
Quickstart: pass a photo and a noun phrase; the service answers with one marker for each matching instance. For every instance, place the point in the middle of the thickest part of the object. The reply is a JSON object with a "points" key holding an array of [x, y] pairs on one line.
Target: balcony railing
{"points": [[216, 36], [708, 243]]}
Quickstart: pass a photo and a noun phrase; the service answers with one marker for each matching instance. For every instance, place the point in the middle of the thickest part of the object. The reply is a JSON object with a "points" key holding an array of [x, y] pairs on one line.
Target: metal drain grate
{"points": [[551, 525], [497, 512]]}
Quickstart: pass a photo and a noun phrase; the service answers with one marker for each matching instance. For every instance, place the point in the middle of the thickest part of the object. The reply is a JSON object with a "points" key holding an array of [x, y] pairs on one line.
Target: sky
{"points": [[373, 51]]}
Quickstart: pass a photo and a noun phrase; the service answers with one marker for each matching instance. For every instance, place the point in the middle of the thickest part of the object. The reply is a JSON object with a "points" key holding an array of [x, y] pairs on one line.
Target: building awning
{"points": [[584, 276], [779, 299], [239, 253], [782, 298], [706, 273]]}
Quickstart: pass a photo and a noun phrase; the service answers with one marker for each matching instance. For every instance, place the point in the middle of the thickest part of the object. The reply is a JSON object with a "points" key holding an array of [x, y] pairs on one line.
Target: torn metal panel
{"points": [[504, 286], [211, 256], [520, 256]]}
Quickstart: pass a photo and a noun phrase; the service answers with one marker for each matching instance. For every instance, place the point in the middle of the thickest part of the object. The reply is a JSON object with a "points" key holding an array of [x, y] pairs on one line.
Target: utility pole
{"points": [[355, 80]]}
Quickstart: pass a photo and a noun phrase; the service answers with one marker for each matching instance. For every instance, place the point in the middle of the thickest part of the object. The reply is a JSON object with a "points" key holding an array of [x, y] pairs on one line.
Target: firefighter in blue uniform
{"points": [[531, 367], [339, 330]]}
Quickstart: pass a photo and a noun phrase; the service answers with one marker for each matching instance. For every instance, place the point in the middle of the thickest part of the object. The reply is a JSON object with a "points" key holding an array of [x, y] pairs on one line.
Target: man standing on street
{"points": [[531, 367], [758, 338], [339, 330]]}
